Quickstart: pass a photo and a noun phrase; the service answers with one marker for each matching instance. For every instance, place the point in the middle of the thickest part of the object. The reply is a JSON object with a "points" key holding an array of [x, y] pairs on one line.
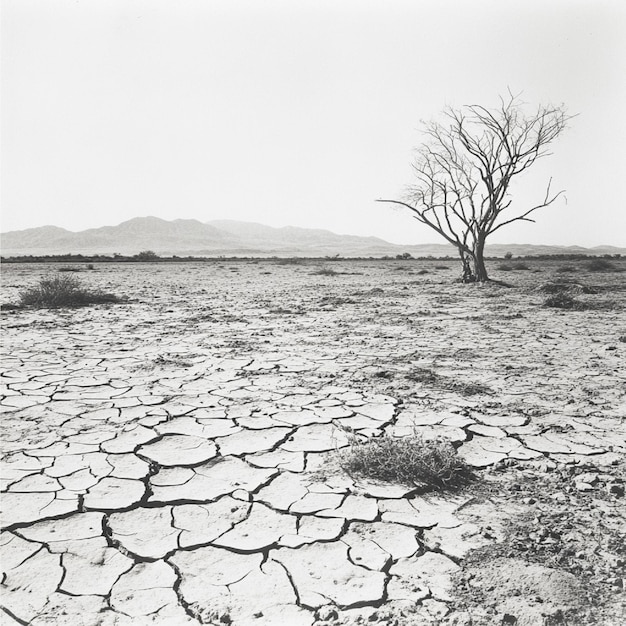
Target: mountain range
{"points": [[188, 237]]}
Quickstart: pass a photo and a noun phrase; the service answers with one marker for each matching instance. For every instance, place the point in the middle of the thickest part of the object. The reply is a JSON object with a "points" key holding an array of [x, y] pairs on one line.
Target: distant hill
{"points": [[232, 238]]}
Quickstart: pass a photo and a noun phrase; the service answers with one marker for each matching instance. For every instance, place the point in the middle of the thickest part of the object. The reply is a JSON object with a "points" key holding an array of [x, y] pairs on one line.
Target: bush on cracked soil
{"points": [[410, 460], [62, 291]]}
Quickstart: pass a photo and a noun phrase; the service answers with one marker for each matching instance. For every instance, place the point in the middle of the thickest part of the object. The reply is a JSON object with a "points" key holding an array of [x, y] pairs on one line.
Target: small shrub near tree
{"points": [[409, 460], [561, 300], [63, 291]]}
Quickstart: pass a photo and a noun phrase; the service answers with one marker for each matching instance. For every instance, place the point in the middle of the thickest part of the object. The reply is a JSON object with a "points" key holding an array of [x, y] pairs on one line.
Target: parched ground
{"points": [[177, 458]]}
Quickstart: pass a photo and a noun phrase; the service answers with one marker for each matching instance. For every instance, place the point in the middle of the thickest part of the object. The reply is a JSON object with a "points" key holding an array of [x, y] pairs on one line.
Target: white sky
{"points": [[297, 112]]}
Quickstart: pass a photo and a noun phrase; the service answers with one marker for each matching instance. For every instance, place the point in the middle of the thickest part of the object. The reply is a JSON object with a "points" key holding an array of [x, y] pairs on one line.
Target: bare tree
{"points": [[465, 168]]}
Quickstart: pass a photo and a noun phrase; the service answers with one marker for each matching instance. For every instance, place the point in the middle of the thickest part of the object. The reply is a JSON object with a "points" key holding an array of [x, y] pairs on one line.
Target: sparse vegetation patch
{"points": [[325, 271], [562, 300], [428, 377], [63, 291], [409, 460], [601, 265]]}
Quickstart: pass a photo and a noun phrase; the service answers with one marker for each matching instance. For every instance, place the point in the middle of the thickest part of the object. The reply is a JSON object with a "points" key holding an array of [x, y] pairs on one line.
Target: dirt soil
{"points": [[532, 396]]}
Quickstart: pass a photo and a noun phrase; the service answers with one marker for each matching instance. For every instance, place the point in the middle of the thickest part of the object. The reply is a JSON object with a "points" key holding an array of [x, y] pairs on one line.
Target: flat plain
{"points": [[177, 458]]}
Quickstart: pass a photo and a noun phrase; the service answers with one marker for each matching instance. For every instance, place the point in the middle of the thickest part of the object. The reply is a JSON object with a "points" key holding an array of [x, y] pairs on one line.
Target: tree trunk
{"points": [[467, 275], [480, 271]]}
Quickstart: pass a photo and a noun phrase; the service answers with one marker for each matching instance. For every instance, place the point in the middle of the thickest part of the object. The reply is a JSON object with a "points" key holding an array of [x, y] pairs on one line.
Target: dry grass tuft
{"points": [[325, 271], [409, 460], [428, 377], [601, 265], [63, 291], [561, 300]]}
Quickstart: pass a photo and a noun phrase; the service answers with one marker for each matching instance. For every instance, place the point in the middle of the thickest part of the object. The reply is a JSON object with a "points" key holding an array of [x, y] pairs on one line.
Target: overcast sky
{"points": [[297, 112]]}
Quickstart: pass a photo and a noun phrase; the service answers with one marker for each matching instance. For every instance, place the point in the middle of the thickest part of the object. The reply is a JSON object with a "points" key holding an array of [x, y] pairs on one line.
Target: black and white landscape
{"points": [[386, 387], [183, 237]]}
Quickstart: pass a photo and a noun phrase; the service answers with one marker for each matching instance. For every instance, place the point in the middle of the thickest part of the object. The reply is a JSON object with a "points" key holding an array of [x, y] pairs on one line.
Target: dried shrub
{"points": [[147, 255], [520, 266], [63, 291], [565, 269], [504, 267], [325, 271], [387, 375], [561, 300], [409, 460], [422, 375], [601, 265], [426, 376]]}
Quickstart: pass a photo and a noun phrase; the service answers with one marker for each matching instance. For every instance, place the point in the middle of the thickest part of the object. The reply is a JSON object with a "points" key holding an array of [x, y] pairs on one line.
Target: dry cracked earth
{"points": [[178, 458]]}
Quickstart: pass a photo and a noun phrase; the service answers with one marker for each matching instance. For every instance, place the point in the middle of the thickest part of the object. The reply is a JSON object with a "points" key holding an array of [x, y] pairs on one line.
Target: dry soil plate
{"points": [[174, 459]]}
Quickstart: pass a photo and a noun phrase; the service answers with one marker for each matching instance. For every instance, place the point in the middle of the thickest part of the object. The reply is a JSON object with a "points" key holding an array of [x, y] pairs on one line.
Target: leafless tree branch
{"points": [[465, 167]]}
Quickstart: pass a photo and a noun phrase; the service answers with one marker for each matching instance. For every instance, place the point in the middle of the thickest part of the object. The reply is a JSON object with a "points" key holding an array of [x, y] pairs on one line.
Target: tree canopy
{"points": [[464, 169]]}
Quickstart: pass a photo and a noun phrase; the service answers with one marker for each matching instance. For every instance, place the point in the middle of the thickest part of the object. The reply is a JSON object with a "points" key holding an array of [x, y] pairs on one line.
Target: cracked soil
{"points": [[177, 458]]}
